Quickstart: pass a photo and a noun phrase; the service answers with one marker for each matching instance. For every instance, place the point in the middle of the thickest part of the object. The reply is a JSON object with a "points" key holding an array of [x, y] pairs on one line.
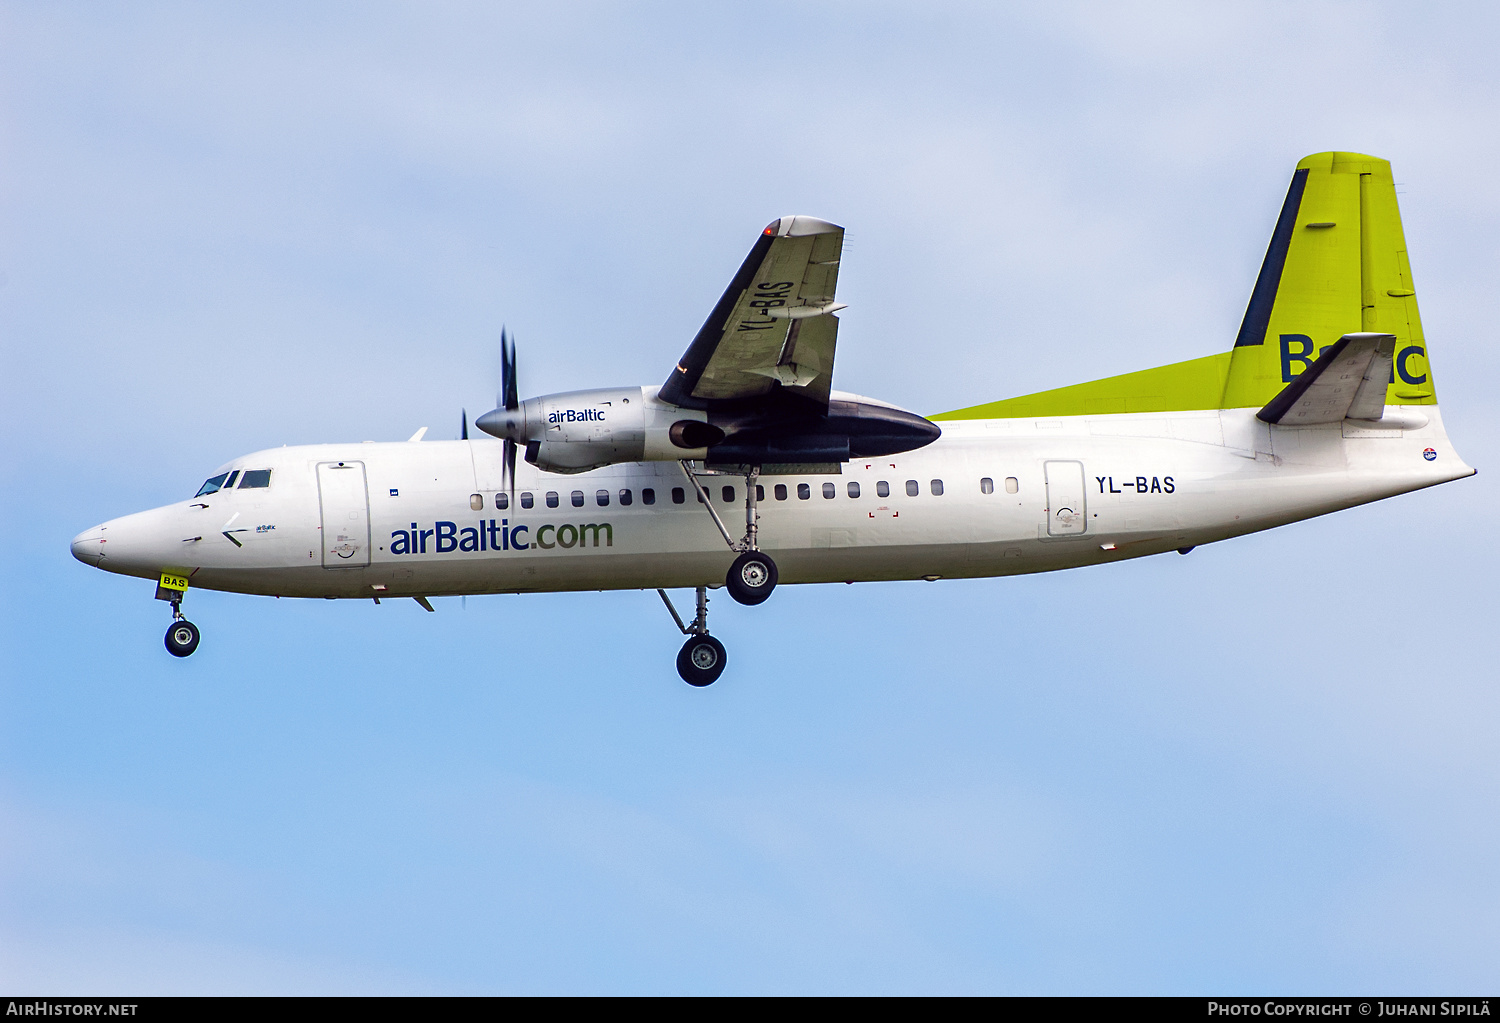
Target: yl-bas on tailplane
{"points": [[1325, 401]]}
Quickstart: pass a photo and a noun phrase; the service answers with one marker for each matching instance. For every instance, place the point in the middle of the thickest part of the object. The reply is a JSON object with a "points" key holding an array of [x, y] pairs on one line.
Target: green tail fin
{"points": [[1336, 265]]}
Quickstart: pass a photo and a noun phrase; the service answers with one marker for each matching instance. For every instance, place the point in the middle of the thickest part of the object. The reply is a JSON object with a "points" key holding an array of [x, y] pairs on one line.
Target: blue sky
{"points": [[1269, 766]]}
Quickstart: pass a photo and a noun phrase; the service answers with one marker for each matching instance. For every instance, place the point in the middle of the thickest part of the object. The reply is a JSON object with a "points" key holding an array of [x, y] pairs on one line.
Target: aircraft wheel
{"points": [[701, 660], [182, 638], [751, 578]]}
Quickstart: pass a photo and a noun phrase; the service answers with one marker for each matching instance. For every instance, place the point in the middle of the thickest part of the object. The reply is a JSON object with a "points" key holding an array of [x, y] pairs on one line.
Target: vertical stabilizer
{"points": [[1336, 265]]}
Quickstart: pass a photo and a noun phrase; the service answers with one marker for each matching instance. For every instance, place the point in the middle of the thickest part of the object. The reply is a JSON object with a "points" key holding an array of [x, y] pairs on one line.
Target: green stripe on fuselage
{"points": [[1181, 387]]}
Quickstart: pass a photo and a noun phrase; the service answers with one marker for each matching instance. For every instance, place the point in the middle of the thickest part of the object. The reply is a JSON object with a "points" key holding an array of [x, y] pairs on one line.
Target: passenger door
{"points": [[345, 504], [1066, 514]]}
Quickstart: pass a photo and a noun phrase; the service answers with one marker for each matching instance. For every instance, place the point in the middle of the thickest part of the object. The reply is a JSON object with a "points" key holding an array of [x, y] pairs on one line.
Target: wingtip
{"points": [[799, 226]]}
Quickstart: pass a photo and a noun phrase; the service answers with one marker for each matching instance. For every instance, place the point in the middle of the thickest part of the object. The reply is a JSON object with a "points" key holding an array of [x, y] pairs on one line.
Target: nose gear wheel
{"points": [[182, 638]]}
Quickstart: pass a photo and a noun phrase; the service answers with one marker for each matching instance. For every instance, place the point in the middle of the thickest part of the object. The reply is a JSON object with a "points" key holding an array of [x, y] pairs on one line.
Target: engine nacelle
{"points": [[580, 430]]}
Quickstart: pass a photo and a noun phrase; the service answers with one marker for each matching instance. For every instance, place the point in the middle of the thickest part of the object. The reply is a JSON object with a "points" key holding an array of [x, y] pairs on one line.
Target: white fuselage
{"points": [[421, 519]]}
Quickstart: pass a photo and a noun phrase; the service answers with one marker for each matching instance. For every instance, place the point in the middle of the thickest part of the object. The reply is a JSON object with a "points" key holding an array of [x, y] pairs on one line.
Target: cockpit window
{"points": [[255, 478], [229, 483], [212, 486]]}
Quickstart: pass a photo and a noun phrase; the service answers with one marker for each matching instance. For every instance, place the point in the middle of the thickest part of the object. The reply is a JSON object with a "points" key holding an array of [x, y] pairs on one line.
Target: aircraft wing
{"points": [[774, 326], [1347, 381]]}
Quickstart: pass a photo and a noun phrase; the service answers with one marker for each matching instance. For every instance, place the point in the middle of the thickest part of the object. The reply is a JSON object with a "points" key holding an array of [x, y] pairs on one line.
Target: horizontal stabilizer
{"points": [[1348, 381]]}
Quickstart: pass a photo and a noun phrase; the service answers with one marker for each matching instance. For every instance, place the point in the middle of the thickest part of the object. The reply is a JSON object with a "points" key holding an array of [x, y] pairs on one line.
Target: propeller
{"points": [[463, 429], [506, 420], [509, 399]]}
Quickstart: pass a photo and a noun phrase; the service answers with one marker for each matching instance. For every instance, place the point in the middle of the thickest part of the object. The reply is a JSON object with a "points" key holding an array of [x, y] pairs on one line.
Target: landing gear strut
{"points": [[753, 575], [182, 635], [701, 660]]}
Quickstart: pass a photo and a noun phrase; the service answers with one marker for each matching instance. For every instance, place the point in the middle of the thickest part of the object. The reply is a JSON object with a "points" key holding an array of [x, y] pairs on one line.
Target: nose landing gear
{"points": [[182, 635], [701, 660], [182, 638]]}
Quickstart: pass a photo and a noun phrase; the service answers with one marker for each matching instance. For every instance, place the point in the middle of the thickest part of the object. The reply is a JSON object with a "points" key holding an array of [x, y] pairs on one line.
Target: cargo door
{"points": [[345, 505], [1066, 515]]}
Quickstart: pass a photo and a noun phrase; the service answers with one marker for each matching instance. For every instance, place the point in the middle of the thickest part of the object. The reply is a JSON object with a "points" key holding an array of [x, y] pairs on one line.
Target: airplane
{"points": [[1324, 401]]}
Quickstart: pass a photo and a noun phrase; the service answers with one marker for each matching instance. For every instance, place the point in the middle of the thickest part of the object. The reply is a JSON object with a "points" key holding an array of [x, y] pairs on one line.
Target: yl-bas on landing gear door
{"points": [[172, 585]]}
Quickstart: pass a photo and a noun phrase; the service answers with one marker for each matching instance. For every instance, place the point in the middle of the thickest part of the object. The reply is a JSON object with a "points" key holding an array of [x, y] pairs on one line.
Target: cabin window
{"points": [[780, 491], [602, 498], [678, 495], [626, 498], [1012, 485], [648, 496], [853, 489], [882, 489], [502, 501], [830, 491], [551, 499], [986, 486], [254, 479], [476, 502], [211, 486], [527, 500], [937, 488], [760, 492], [913, 488], [803, 491], [229, 484], [578, 499], [728, 495]]}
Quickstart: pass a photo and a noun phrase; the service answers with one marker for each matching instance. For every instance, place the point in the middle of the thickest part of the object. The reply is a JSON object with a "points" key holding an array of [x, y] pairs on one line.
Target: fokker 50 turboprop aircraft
{"points": [[1325, 401]]}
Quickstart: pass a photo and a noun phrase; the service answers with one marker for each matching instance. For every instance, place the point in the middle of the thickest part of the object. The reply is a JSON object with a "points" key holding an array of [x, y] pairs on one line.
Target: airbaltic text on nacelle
{"points": [[489, 535], [588, 415]]}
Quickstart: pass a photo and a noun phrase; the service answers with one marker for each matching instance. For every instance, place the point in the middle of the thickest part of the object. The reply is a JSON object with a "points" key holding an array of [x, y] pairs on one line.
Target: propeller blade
{"points": [[500, 383], [510, 399], [463, 430], [508, 471]]}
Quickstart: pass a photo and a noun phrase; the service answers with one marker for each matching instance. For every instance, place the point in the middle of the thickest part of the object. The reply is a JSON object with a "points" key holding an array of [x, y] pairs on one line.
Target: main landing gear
{"points": [[182, 635], [753, 575], [751, 578], [701, 660]]}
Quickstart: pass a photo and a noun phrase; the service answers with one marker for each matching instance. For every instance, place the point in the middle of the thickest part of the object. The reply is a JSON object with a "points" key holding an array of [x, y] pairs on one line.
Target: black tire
{"points": [[701, 660], [751, 578], [182, 638]]}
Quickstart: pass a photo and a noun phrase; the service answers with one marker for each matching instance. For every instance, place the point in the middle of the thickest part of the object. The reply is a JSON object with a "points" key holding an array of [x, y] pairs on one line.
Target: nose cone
{"points": [[89, 546], [500, 423], [140, 544]]}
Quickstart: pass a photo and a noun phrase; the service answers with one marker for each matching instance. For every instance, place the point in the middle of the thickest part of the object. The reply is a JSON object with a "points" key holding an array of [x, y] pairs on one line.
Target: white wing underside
{"points": [[775, 325]]}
